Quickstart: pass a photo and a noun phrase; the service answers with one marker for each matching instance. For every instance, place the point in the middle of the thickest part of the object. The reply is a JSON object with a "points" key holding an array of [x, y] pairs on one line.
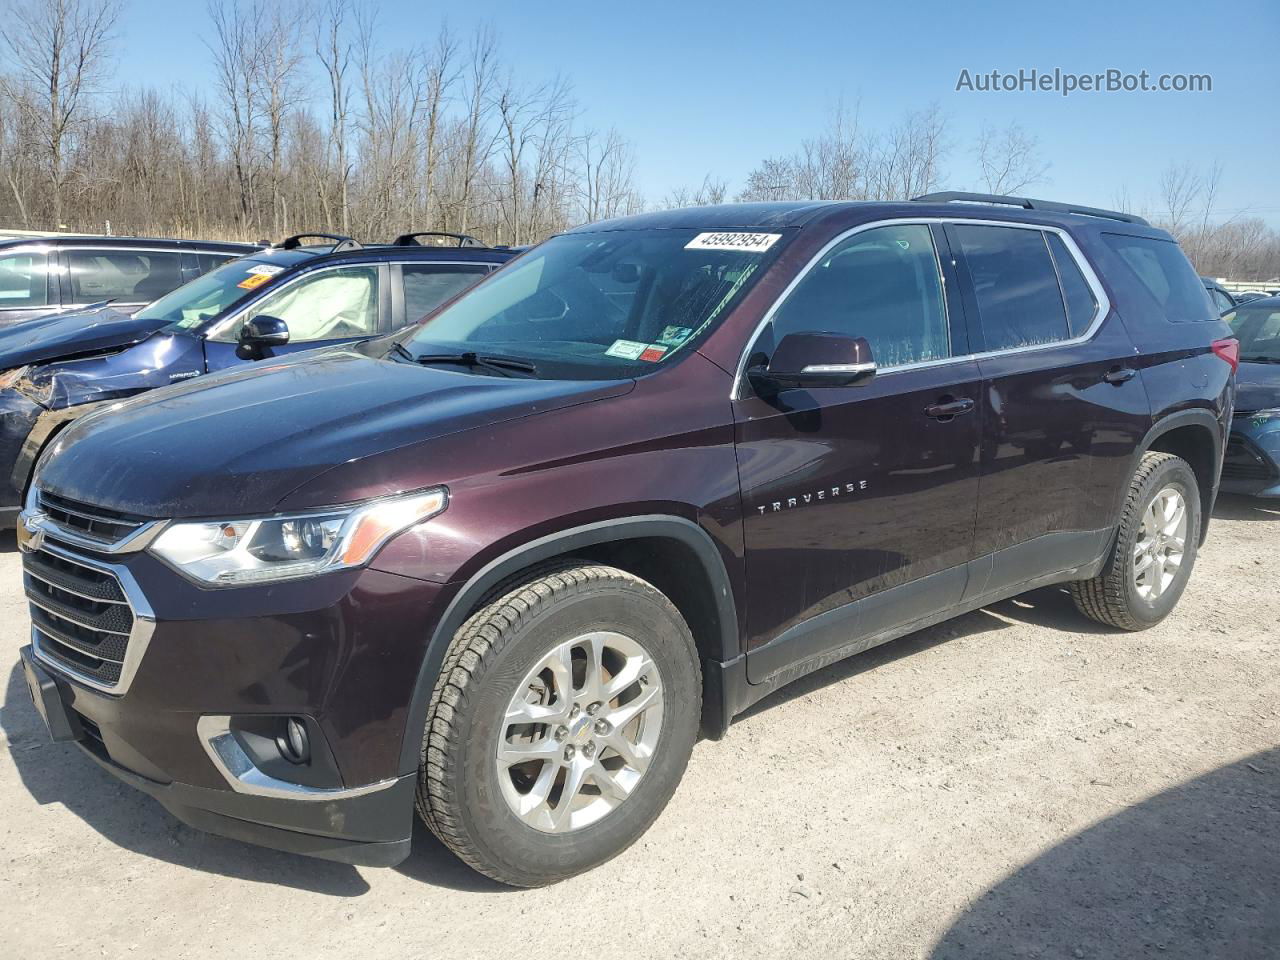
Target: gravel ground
{"points": [[1015, 783]]}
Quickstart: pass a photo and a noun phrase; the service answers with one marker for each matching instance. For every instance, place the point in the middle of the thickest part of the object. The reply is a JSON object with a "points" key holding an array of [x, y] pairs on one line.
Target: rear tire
{"points": [[540, 672], [1154, 551]]}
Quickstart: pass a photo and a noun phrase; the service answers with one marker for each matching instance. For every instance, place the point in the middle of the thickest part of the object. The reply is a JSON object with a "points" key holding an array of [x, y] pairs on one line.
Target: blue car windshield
{"points": [[209, 295], [601, 305]]}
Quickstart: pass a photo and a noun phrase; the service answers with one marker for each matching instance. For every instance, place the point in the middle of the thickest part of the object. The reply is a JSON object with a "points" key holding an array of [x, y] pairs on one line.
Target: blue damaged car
{"points": [[288, 297], [1252, 463]]}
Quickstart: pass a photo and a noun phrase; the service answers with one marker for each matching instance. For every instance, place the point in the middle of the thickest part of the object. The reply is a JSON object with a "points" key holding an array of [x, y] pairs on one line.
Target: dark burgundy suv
{"points": [[504, 567]]}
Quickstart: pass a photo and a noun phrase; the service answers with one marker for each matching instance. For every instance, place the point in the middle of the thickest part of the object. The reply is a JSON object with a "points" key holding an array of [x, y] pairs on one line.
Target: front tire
{"points": [[1154, 551], [561, 724]]}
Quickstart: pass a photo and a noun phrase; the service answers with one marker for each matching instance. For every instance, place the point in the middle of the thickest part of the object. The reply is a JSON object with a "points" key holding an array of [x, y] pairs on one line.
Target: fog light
{"points": [[293, 743]]}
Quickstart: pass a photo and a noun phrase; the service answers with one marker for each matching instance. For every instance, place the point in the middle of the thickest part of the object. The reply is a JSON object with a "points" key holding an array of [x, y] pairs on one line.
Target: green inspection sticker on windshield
{"points": [[626, 349]]}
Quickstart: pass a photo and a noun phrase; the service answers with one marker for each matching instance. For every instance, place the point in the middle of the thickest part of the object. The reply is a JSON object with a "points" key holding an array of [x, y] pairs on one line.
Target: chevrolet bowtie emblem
{"points": [[30, 535]]}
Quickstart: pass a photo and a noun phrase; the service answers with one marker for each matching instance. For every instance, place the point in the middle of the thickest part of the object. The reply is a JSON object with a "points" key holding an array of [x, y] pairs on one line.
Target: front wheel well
{"points": [[1195, 444]]}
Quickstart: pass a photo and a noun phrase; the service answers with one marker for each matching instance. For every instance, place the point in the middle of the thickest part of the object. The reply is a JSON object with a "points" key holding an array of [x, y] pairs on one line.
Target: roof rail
{"points": [[958, 196], [340, 242], [411, 239]]}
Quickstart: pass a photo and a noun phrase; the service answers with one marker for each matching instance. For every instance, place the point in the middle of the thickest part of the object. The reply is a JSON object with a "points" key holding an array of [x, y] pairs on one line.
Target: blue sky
{"points": [[713, 87]]}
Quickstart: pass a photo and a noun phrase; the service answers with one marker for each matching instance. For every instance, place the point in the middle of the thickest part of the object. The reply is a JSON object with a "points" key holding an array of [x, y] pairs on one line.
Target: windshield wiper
{"points": [[504, 365], [1260, 359]]}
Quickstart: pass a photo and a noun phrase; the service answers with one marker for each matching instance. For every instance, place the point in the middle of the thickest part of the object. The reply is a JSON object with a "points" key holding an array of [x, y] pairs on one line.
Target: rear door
{"points": [[418, 287], [859, 501], [338, 304], [129, 278], [1062, 404]]}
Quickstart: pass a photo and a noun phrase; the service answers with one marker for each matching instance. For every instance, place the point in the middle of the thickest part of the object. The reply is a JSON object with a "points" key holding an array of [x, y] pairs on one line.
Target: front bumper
{"points": [[341, 651], [1252, 463]]}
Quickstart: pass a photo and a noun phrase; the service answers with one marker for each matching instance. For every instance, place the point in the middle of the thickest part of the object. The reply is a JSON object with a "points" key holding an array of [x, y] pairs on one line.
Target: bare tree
{"points": [[59, 52], [1009, 159], [278, 52], [607, 170], [236, 61], [333, 50]]}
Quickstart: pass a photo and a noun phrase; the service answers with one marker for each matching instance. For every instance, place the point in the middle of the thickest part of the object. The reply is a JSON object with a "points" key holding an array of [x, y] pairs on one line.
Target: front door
{"points": [[327, 306], [859, 502]]}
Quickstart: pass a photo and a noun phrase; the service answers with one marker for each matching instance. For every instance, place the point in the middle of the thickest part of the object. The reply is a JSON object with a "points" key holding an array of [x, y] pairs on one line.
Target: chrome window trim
{"points": [[144, 623], [1103, 302], [214, 732]]}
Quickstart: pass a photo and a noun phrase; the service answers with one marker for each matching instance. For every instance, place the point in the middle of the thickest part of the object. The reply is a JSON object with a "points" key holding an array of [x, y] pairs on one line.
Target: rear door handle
{"points": [[949, 409], [1120, 375]]}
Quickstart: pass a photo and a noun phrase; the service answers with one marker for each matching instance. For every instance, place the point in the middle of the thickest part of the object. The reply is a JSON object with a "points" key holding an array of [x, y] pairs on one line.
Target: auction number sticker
{"points": [[265, 269], [745, 242]]}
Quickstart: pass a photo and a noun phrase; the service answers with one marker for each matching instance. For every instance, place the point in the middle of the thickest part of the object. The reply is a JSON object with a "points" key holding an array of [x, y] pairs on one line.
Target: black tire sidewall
{"points": [[531, 856], [1174, 473]]}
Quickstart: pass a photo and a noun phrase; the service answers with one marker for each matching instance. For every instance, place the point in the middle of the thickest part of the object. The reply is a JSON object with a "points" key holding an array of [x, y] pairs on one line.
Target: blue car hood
{"points": [[62, 335], [1257, 387]]}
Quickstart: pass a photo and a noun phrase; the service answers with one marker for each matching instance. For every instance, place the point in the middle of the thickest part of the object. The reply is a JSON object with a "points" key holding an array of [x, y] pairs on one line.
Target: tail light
{"points": [[1228, 350]]}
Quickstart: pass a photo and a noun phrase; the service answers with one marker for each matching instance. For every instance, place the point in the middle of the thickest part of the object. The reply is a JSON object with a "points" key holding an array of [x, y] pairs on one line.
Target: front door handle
{"points": [[1119, 375], [946, 409]]}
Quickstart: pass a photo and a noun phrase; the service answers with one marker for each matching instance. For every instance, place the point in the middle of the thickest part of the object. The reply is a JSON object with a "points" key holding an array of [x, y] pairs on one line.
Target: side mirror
{"points": [[816, 360], [260, 334]]}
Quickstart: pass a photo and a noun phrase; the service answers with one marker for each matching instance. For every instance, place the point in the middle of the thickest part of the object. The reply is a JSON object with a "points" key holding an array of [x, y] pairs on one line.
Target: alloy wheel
{"points": [[580, 732], [1161, 544]]}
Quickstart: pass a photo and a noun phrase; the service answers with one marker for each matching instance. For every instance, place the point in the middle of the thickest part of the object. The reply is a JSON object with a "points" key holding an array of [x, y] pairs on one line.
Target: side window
{"points": [[1082, 305], [1166, 274], [24, 280], [427, 285], [1016, 285], [882, 284], [207, 261], [124, 275], [328, 305], [1221, 301]]}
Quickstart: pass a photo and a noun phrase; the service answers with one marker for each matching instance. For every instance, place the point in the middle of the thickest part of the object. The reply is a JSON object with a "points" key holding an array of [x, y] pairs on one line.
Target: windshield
{"points": [[601, 305], [195, 302], [1258, 330]]}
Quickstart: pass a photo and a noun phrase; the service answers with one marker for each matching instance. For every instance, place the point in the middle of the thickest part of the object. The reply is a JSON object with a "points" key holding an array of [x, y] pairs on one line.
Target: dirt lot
{"points": [[1015, 783]]}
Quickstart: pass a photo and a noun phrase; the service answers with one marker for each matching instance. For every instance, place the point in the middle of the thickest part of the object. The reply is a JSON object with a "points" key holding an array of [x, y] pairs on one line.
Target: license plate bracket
{"points": [[46, 693]]}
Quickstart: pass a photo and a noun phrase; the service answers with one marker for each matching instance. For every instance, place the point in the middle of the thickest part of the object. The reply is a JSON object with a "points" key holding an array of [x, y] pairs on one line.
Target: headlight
{"points": [[10, 377], [230, 552]]}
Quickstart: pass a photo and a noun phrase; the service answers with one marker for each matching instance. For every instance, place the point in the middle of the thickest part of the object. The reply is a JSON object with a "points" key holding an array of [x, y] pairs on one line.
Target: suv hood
{"points": [[237, 443], [70, 334], [1257, 387]]}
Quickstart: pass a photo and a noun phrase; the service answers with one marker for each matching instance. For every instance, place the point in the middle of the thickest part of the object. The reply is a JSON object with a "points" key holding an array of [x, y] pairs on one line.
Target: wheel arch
{"points": [[673, 553], [1197, 437]]}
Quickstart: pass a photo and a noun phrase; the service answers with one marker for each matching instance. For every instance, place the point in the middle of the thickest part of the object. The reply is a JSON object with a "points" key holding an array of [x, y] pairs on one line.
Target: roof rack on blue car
{"points": [[340, 242], [958, 196], [411, 239]]}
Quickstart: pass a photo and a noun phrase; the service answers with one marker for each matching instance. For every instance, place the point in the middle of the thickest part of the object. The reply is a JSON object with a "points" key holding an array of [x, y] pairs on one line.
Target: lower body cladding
{"points": [[273, 714], [1252, 463]]}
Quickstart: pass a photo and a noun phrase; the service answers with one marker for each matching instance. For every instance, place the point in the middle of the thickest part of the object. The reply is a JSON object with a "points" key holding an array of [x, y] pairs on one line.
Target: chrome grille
{"points": [[97, 523], [81, 617]]}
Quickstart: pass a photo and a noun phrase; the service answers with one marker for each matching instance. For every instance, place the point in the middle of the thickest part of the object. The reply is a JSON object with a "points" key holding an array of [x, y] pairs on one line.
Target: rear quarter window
{"points": [[1164, 271]]}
